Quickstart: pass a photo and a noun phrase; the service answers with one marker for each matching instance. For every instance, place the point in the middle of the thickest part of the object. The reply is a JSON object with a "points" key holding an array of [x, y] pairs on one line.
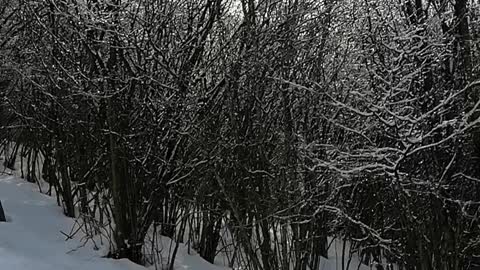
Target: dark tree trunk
{"points": [[2, 214]]}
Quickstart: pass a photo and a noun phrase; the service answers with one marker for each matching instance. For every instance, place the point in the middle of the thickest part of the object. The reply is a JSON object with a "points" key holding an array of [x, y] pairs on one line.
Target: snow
{"points": [[32, 239]]}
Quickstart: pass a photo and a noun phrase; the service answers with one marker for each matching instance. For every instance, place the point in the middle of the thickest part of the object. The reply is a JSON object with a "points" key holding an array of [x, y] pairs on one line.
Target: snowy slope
{"points": [[32, 239]]}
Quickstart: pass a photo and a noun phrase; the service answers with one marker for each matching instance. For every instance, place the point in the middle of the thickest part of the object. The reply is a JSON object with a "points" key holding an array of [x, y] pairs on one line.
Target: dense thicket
{"points": [[258, 129]]}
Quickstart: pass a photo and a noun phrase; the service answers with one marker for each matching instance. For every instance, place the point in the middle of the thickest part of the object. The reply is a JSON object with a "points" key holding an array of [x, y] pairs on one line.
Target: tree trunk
{"points": [[2, 214]]}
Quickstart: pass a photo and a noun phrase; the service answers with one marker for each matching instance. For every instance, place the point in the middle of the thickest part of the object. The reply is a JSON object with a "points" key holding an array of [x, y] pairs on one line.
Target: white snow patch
{"points": [[32, 238]]}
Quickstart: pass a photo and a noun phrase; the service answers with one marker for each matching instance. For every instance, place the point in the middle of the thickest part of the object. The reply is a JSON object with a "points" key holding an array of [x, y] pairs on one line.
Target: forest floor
{"points": [[32, 237], [35, 237]]}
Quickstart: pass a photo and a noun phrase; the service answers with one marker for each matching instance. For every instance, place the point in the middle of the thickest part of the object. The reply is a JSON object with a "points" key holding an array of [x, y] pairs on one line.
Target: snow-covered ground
{"points": [[32, 239]]}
